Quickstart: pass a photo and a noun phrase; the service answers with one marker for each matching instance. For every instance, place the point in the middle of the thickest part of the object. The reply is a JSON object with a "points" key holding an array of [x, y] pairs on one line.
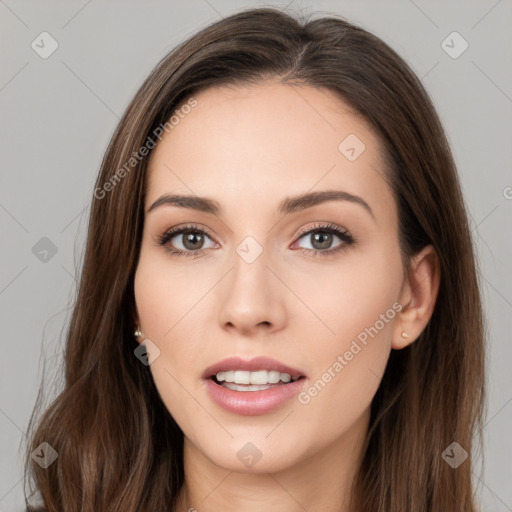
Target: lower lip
{"points": [[252, 403]]}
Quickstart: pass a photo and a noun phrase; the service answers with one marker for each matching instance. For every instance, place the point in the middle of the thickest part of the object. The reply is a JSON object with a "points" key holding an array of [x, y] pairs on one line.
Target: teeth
{"points": [[259, 378], [237, 387]]}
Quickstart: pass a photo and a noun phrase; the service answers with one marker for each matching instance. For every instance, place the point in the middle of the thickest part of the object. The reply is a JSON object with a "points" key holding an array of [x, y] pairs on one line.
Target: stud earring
{"points": [[404, 335], [137, 333]]}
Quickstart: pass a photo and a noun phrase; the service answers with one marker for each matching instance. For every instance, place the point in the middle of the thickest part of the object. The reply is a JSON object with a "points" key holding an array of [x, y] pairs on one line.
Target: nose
{"points": [[251, 298]]}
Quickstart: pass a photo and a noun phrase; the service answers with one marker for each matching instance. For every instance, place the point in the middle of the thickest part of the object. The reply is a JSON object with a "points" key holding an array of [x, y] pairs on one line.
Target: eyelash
{"points": [[346, 238]]}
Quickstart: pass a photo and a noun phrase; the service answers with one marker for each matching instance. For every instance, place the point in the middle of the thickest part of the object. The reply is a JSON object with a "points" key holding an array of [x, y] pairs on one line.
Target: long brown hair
{"points": [[118, 447]]}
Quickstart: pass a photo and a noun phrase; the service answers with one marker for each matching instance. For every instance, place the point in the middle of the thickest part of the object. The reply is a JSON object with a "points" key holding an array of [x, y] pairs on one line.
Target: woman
{"points": [[278, 307]]}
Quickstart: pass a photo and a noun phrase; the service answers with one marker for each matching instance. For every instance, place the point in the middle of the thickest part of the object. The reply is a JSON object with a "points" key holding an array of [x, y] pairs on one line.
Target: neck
{"points": [[320, 481]]}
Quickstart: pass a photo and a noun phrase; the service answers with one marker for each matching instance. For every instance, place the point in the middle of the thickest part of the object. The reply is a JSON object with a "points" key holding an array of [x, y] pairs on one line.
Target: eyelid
{"points": [[318, 225]]}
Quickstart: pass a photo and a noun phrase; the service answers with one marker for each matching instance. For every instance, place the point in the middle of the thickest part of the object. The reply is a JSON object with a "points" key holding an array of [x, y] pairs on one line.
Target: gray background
{"points": [[57, 116]]}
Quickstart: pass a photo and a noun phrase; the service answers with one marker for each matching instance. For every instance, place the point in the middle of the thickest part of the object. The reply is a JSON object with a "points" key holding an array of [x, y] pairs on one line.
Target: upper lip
{"points": [[251, 365]]}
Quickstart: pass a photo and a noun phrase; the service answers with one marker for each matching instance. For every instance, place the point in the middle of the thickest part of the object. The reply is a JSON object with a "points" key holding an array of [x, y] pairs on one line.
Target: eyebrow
{"points": [[287, 206]]}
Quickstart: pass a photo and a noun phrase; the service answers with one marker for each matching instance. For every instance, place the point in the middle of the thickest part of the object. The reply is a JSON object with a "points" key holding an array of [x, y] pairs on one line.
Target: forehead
{"points": [[259, 143]]}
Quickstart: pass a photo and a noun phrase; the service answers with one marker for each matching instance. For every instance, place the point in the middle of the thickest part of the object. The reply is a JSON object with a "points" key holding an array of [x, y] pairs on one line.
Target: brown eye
{"points": [[186, 241], [192, 240], [321, 240]]}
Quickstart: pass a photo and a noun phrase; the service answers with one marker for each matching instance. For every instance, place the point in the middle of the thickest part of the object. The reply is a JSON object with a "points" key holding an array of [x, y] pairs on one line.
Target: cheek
{"points": [[358, 304], [162, 300], [163, 295], [170, 310], [348, 296]]}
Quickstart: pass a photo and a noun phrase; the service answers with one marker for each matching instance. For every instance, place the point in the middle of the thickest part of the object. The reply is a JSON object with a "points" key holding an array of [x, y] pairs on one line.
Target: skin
{"points": [[248, 148]]}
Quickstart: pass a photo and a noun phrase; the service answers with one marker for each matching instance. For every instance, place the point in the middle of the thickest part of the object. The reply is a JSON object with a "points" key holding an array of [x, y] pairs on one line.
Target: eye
{"points": [[321, 238], [189, 240]]}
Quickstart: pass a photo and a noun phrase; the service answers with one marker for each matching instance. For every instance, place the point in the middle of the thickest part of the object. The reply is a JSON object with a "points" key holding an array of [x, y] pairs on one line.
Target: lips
{"points": [[253, 403], [252, 365]]}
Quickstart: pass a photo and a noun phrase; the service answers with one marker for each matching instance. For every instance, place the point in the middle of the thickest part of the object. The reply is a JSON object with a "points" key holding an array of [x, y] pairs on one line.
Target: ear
{"points": [[417, 298], [136, 323]]}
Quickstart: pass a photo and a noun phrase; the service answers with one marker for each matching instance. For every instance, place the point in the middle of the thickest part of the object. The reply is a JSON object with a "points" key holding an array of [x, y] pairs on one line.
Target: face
{"points": [[313, 285]]}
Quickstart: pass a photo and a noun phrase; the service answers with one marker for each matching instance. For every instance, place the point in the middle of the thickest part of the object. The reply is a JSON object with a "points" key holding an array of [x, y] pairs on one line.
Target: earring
{"points": [[137, 333], [404, 335]]}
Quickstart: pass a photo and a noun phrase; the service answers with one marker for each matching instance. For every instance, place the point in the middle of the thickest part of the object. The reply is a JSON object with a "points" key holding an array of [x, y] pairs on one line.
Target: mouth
{"points": [[240, 380], [251, 387]]}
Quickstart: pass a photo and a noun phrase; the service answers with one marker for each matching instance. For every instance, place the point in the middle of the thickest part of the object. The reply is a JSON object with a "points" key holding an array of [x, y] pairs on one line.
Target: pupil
{"points": [[324, 238]]}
